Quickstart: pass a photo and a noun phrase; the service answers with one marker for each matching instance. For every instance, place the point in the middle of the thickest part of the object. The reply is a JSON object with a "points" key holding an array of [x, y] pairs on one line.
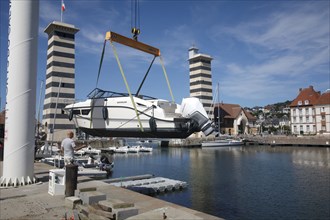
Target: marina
{"points": [[119, 154], [241, 182], [250, 195]]}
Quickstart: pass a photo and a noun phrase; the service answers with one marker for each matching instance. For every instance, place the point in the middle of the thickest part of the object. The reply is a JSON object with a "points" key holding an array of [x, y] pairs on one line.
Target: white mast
{"points": [[18, 165], [218, 91]]}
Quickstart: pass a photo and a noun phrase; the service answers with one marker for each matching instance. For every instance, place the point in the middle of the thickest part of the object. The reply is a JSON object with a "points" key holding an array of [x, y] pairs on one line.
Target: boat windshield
{"points": [[99, 94]]}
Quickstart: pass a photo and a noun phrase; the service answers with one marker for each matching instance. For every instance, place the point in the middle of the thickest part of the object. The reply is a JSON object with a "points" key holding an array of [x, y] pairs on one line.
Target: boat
{"points": [[121, 150], [144, 149], [91, 162], [222, 143], [133, 149], [114, 114], [88, 150], [222, 140], [111, 114]]}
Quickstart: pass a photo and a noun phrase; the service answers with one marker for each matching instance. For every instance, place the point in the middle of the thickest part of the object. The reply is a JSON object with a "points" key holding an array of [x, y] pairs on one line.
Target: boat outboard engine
{"points": [[192, 108]]}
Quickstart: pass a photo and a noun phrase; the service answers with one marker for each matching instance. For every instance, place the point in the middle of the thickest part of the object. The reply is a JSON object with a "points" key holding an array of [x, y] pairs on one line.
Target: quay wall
{"points": [[280, 140], [289, 140]]}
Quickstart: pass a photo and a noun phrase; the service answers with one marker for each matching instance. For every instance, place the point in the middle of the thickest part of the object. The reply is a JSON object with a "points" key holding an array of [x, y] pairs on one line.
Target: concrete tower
{"points": [[201, 78], [60, 70]]}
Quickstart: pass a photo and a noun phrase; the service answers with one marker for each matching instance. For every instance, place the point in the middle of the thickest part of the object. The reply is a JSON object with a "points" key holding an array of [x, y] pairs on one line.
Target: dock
{"points": [[152, 186], [34, 202]]}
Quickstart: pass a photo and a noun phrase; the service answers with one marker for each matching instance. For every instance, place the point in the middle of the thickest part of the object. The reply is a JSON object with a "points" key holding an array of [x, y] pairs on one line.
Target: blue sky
{"points": [[263, 51]]}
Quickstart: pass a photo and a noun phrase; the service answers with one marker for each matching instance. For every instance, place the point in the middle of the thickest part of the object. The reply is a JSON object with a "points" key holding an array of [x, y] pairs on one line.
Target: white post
{"points": [[18, 165]]}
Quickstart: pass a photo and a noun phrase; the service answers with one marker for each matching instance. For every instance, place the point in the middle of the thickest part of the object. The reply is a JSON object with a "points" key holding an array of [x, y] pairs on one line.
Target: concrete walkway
{"points": [[34, 202]]}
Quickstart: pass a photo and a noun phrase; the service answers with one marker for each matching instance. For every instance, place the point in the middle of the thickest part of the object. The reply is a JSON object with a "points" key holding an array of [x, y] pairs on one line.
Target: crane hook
{"points": [[135, 32]]}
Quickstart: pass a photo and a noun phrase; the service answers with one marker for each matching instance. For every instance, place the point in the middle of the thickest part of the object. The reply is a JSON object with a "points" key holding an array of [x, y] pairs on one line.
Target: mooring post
{"points": [[71, 179]]}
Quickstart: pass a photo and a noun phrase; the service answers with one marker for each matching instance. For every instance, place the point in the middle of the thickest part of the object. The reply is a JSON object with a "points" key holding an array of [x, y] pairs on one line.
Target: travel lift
{"points": [[135, 44]]}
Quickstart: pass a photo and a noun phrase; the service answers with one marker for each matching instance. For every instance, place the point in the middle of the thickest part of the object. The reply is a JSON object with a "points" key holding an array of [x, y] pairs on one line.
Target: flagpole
{"points": [[61, 10]]}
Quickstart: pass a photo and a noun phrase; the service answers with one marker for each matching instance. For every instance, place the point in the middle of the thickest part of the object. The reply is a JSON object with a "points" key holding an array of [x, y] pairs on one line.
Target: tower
{"points": [[201, 78], [60, 79]]}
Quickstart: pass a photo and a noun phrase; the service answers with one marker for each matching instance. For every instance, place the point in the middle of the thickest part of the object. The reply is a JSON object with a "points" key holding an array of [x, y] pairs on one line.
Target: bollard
{"points": [[71, 178]]}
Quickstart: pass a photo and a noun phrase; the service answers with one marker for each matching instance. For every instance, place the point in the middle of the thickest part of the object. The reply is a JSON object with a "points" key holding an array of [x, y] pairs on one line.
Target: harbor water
{"points": [[249, 182]]}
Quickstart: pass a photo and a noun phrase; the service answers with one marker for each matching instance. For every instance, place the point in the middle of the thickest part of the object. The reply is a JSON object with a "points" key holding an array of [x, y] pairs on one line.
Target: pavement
{"points": [[34, 202]]}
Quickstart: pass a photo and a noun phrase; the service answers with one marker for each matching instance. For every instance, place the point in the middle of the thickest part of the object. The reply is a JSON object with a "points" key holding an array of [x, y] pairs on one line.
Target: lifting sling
{"points": [[114, 37]]}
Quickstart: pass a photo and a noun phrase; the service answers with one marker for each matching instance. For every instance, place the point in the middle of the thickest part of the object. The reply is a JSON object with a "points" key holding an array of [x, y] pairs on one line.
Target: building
{"points": [[60, 79], [234, 119], [310, 113], [201, 78], [322, 113]]}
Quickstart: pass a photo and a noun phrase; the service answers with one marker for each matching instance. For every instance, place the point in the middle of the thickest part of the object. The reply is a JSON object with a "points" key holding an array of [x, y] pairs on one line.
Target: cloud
{"points": [[49, 11], [286, 49]]}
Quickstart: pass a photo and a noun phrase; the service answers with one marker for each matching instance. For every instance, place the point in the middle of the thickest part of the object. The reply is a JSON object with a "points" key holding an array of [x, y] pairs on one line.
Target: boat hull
{"points": [[222, 144], [147, 133]]}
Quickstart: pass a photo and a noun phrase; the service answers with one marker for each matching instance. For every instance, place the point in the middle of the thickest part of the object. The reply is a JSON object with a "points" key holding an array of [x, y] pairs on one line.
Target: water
{"points": [[252, 182]]}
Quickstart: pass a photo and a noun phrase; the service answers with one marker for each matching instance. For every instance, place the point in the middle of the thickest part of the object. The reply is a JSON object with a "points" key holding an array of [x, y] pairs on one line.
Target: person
{"points": [[67, 147]]}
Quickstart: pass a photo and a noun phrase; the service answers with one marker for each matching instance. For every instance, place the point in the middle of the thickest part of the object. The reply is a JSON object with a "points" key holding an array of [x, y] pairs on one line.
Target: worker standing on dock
{"points": [[67, 148]]}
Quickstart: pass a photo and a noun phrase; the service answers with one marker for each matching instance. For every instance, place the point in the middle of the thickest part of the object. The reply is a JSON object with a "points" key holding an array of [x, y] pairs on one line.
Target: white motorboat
{"points": [[122, 150], [90, 150], [133, 149], [222, 143], [110, 114], [144, 149]]}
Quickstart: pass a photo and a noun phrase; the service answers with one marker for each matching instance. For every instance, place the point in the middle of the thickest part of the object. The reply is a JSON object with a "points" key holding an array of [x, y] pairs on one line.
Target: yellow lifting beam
{"points": [[114, 37]]}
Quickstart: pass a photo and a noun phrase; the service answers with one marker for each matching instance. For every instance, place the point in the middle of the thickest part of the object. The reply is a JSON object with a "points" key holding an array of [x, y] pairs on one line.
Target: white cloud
{"points": [[49, 12], [287, 49]]}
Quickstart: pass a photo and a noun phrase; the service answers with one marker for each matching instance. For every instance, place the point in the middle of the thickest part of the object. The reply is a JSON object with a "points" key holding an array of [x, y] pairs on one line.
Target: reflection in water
{"points": [[311, 157], [252, 182]]}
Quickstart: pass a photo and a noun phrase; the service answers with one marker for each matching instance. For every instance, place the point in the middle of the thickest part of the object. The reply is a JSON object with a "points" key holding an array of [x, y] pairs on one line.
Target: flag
{"points": [[63, 6]]}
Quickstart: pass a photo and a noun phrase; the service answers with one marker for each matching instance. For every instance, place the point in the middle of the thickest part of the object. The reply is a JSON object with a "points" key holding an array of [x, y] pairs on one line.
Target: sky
{"points": [[263, 51]]}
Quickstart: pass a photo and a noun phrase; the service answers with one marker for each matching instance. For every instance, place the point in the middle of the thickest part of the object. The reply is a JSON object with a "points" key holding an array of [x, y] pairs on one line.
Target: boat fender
{"points": [[70, 115], [105, 113], [152, 124]]}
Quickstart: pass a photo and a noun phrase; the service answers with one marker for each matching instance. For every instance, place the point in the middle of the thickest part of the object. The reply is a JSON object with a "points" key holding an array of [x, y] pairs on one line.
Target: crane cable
{"points": [[166, 77], [135, 18], [126, 84], [101, 61]]}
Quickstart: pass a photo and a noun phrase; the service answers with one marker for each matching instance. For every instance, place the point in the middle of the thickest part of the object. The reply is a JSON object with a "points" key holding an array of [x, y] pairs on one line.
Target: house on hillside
{"points": [[234, 119], [310, 113]]}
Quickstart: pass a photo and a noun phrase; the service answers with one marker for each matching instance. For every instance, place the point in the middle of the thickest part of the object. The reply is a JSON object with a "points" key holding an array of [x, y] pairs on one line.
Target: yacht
{"points": [[111, 114]]}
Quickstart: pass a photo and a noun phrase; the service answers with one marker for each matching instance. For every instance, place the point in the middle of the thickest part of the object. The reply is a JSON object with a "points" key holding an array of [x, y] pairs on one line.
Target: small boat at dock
{"points": [[144, 149], [133, 149], [222, 143]]}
